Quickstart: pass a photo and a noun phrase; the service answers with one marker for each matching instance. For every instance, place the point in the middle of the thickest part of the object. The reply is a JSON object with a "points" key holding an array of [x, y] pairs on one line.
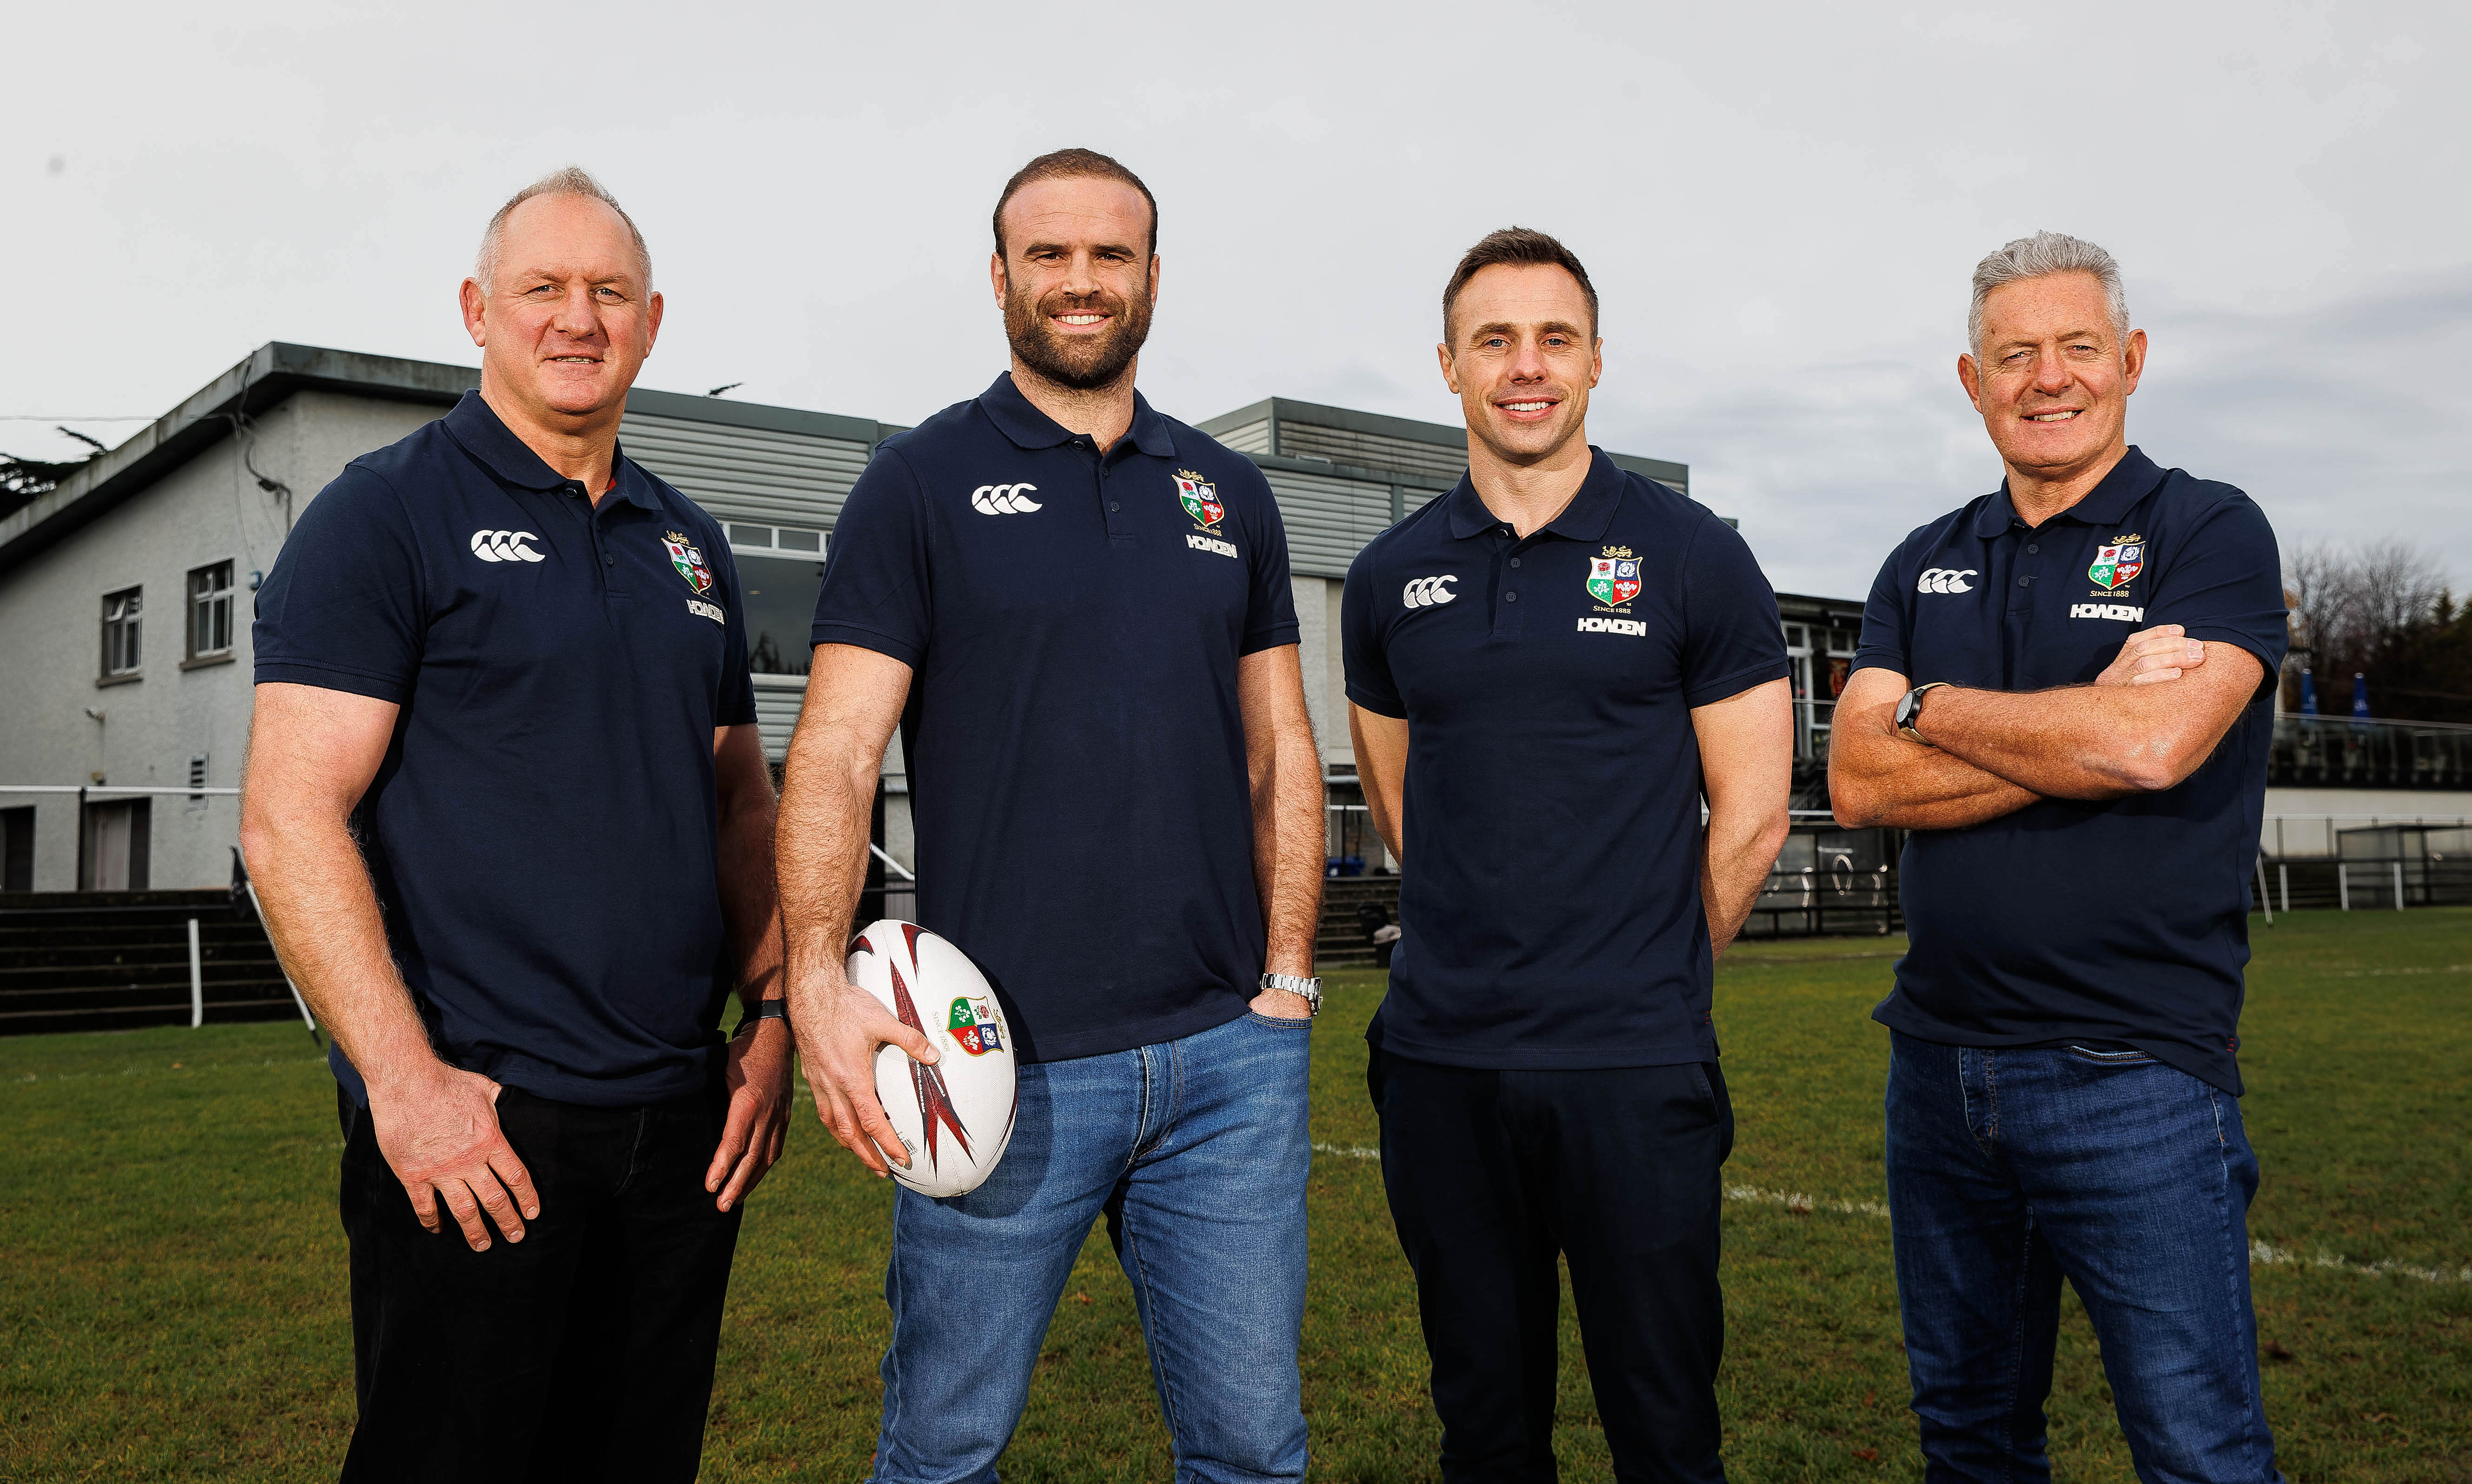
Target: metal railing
{"points": [[2340, 753]]}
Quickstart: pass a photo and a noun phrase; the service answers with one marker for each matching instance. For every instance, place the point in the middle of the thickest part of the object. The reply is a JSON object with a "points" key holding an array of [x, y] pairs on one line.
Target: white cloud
{"points": [[1780, 206]]}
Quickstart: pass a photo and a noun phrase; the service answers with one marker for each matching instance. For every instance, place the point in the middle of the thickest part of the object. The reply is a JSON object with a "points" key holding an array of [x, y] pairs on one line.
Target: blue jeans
{"points": [[2010, 1170], [1196, 1151]]}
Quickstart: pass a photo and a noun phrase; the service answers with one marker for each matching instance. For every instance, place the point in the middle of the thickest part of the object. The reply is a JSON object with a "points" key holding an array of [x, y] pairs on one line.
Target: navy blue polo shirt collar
{"points": [[1017, 418], [477, 429], [1584, 519], [2108, 504]]}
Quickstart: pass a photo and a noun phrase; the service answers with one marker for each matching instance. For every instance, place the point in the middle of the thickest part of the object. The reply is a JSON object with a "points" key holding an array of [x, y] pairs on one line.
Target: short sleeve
{"points": [[1271, 600], [2225, 583], [876, 589], [734, 705], [1732, 637], [345, 607], [1367, 662], [1883, 645]]}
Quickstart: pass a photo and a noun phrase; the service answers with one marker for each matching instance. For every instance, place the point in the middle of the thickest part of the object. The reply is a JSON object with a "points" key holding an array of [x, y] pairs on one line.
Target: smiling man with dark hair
{"points": [[1549, 669]]}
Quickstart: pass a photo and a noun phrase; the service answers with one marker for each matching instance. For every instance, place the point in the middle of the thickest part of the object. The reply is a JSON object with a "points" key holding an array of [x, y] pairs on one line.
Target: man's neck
{"points": [[582, 448], [1103, 414], [2037, 495], [1529, 495]]}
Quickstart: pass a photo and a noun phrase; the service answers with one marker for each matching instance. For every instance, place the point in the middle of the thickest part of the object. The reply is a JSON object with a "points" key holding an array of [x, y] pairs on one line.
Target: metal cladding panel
{"points": [[749, 473], [1328, 520], [778, 700], [1252, 437], [1369, 450]]}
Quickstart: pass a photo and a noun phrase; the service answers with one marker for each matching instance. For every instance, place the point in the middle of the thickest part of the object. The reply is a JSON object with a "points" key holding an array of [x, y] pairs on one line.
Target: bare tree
{"points": [[2355, 609]]}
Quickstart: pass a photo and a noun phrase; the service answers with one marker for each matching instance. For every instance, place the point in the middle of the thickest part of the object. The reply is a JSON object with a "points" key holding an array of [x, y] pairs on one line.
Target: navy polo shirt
{"points": [[1078, 779], [2124, 921], [1549, 900], [542, 832]]}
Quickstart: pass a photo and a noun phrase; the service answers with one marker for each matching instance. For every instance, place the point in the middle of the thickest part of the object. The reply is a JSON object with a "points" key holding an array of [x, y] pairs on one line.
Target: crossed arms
{"points": [[2147, 722]]}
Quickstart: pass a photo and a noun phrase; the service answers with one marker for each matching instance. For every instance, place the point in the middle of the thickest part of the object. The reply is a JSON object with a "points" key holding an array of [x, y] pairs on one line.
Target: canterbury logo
{"points": [[1003, 499], [1429, 592], [505, 546], [1946, 579]]}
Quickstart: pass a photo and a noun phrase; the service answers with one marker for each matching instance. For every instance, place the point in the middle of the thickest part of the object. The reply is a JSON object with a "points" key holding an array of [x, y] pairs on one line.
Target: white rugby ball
{"points": [[954, 1117]]}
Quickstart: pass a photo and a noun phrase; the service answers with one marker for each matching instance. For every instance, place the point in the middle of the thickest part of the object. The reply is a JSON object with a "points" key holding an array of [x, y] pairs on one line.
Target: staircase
{"points": [[108, 961], [1339, 942]]}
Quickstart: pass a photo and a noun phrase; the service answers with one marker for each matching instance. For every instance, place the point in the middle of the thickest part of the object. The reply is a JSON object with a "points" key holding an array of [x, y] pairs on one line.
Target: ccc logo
{"points": [[505, 546], [1946, 579], [1429, 592], [1003, 499]]}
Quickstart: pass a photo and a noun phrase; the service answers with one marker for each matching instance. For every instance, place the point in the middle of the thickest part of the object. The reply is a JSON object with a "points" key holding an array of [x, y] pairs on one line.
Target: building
{"points": [[124, 600], [125, 590]]}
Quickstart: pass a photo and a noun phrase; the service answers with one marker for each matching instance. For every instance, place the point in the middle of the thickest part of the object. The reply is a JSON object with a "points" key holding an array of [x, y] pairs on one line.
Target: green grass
{"points": [[172, 1300]]}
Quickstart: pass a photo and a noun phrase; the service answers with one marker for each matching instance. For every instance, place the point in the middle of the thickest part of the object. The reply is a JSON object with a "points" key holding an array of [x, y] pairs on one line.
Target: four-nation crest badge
{"points": [[1200, 499], [973, 1023], [2117, 565], [1613, 578], [688, 559]]}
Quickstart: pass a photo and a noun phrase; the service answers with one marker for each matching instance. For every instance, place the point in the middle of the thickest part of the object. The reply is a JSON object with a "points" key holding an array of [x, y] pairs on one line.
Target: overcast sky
{"points": [[1779, 204]]}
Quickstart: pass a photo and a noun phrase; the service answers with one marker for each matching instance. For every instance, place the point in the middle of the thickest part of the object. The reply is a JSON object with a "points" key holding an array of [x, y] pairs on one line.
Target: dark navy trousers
{"points": [[1492, 1174]]}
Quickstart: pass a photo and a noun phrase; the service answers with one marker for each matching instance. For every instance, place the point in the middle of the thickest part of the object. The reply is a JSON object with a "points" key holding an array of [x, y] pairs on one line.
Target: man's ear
{"points": [[2136, 358], [1969, 375], [475, 306], [1450, 367], [996, 276]]}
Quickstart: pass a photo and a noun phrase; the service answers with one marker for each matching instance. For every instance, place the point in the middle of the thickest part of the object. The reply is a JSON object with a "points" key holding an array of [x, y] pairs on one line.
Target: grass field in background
{"points": [[172, 1304]]}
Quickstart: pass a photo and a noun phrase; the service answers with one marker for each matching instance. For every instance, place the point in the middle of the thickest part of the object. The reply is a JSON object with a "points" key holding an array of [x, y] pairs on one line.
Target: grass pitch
{"points": [[172, 1300]]}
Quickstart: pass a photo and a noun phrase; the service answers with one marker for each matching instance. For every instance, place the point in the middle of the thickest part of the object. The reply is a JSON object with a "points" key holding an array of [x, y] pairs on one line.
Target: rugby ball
{"points": [[955, 1117]]}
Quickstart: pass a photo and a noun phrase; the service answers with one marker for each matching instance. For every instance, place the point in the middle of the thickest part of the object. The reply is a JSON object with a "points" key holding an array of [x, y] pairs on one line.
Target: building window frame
{"points": [[212, 605], [124, 635]]}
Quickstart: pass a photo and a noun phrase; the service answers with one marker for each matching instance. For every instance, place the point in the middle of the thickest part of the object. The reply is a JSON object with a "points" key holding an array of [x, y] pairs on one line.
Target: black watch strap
{"points": [[762, 1010]]}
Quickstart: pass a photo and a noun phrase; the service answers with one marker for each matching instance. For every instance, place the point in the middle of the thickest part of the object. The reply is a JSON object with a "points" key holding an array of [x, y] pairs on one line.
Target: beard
{"points": [[1084, 363]]}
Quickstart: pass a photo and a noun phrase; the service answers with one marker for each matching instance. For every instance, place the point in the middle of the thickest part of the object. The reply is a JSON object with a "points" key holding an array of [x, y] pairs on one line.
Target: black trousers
{"points": [[583, 1351], [1492, 1173]]}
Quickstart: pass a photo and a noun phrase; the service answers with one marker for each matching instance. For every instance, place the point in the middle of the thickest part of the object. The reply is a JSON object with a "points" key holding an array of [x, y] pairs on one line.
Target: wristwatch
{"points": [[1910, 707], [762, 1010], [1308, 990]]}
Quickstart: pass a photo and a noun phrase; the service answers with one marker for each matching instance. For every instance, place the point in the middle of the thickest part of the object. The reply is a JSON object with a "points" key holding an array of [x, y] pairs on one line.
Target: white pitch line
{"points": [[2260, 1253]]}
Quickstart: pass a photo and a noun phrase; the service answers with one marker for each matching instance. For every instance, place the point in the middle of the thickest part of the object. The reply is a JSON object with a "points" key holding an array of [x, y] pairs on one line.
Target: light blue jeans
{"points": [[1196, 1151]]}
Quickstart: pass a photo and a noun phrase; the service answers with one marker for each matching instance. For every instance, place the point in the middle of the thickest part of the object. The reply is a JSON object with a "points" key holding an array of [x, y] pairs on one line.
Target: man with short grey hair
{"points": [[512, 825], [2065, 694]]}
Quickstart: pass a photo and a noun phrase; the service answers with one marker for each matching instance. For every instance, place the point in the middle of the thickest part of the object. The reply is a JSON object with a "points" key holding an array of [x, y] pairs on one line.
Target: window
{"points": [[771, 539], [123, 613], [210, 611]]}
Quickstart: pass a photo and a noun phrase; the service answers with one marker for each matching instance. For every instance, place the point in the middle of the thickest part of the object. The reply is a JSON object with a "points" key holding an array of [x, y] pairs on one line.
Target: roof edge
{"points": [[277, 369]]}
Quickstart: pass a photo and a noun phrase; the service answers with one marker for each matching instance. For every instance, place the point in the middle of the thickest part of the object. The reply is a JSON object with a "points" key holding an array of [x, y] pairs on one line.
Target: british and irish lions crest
{"points": [[688, 559], [2116, 565], [1613, 578], [1200, 499]]}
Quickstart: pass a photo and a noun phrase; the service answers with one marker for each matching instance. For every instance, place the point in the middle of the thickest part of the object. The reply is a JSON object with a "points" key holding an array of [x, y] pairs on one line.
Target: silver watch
{"points": [[1309, 990]]}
